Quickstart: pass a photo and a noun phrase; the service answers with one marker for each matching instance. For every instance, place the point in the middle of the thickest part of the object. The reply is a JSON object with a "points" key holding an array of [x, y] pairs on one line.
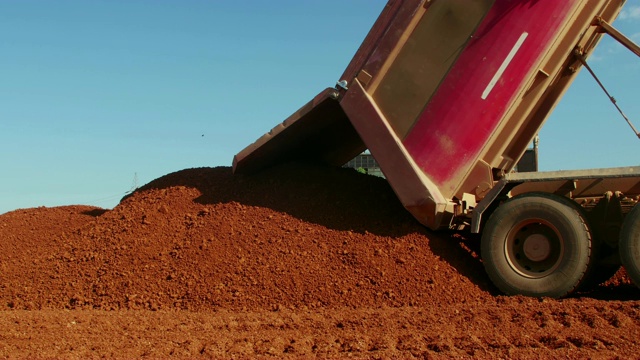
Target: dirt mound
{"points": [[297, 261], [294, 237]]}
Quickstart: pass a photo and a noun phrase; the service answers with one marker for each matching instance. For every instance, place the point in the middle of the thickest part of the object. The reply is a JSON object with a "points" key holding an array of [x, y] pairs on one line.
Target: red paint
{"points": [[450, 133]]}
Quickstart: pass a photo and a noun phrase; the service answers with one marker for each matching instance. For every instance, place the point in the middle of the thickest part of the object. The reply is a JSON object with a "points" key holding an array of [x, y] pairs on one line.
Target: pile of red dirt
{"points": [[294, 237], [299, 260]]}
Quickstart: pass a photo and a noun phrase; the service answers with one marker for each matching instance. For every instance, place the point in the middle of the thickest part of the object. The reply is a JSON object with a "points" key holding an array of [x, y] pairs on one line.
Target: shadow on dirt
{"points": [[336, 198], [462, 251], [95, 212], [621, 292]]}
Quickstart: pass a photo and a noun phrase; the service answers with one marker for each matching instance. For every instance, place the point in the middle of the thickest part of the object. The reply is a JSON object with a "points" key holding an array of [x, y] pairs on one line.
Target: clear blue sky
{"points": [[95, 94]]}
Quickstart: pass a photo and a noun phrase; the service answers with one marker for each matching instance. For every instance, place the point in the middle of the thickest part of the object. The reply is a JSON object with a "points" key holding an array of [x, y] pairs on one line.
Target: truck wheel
{"points": [[630, 244], [538, 245]]}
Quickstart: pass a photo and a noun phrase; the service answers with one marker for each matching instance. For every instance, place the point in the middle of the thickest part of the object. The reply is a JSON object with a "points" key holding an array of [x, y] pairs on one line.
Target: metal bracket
{"points": [[605, 27], [501, 187]]}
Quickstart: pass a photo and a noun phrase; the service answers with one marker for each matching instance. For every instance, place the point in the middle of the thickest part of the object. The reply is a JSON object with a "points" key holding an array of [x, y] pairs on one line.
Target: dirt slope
{"points": [[299, 261]]}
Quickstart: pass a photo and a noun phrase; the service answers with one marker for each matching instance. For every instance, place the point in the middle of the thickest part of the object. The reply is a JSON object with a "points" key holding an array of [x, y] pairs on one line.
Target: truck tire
{"points": [[630, 244], [538, 245]]}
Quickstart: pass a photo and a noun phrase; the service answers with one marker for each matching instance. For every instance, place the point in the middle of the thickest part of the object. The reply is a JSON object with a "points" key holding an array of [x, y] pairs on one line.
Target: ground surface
{"points": [[298, 261]]}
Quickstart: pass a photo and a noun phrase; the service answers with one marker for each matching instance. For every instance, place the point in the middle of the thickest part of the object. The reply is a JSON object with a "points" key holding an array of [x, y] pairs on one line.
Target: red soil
{"points": [[297, 261]]}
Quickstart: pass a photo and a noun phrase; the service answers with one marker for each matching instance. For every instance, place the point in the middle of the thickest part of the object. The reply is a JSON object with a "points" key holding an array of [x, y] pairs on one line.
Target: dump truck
{"points": [[447, 95]]}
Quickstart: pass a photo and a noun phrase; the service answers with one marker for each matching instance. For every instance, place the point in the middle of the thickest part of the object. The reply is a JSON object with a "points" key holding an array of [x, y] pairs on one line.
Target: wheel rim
{"points": [[534, 248]]}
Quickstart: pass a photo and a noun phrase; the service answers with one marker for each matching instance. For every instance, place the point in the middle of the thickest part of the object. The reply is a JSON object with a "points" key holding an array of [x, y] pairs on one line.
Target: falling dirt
{"points": [[297, 261]]}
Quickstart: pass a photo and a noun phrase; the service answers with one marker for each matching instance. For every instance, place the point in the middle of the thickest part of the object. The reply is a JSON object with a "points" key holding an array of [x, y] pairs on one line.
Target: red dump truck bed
{"points": [[444, 94], [447, 95]]}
